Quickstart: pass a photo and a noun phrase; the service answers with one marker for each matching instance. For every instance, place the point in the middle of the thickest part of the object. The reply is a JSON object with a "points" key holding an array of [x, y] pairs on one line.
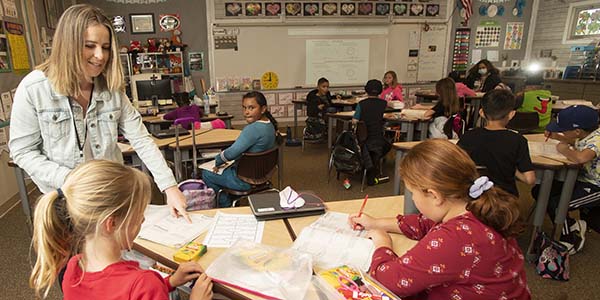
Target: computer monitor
{"points": [[159, 89]]}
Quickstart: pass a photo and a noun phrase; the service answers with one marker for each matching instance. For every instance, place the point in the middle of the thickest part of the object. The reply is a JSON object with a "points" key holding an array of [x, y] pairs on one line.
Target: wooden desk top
{"points": [[376, 207], [127, 149], [432, 95], [275, 234], [541, 161], [213, 138], [158, 119], [347, 115]]}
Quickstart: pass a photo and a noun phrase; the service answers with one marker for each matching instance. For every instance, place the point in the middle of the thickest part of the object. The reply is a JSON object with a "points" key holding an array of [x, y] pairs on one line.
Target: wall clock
{"points": [[269, 80]]}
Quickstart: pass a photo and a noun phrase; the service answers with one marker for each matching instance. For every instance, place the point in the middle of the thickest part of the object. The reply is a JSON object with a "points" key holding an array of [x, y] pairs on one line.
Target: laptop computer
{"points": [[167, 133], [265, 206]]}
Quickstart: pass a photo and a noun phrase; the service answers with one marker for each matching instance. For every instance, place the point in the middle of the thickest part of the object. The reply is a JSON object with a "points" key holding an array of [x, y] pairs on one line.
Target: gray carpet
{"points": [[306, 171]]}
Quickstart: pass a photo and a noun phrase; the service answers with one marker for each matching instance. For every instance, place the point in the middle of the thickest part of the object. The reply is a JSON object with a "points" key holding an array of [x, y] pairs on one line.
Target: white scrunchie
{"points": [[480, 185]]}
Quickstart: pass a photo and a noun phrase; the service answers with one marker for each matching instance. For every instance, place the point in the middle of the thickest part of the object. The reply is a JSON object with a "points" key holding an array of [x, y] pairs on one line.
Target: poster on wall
{"points": [[196, 61], [514, 35], [4, 61], [10, 8], [487, 34], [6, 105], [18, 46], [4, 139]]}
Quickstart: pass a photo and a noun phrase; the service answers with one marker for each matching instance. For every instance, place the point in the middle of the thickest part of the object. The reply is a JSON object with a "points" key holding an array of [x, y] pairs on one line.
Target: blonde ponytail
{"points": [[52, 240]]}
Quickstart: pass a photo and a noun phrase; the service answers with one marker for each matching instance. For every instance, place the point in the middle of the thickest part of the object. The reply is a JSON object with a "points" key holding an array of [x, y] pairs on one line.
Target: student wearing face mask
{"points": [[486, 74]]}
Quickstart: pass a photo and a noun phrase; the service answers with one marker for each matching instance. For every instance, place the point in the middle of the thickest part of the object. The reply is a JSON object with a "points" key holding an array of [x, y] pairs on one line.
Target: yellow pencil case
{"points": [[190, 252]]}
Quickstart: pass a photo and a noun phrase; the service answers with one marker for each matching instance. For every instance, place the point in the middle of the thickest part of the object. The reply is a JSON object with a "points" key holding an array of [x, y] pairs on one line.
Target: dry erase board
{"points": [[283, 50]]}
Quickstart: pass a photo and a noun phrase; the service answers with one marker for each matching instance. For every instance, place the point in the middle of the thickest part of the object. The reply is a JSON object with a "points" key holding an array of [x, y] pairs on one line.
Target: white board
{"points": [[341, 61], [432, 53]]}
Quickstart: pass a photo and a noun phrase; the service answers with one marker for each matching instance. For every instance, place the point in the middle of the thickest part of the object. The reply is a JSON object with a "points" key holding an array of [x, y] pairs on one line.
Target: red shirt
{"points": [[121, 280], [458, 260], [464, 91]]}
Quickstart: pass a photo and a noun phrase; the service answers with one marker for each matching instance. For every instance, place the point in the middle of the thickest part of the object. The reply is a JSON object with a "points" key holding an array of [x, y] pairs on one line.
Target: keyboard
{"points": [[167, 133]]}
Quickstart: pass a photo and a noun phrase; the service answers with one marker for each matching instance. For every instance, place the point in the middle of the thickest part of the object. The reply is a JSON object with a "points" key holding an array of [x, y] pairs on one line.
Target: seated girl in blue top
{"points": [[257, 136]]}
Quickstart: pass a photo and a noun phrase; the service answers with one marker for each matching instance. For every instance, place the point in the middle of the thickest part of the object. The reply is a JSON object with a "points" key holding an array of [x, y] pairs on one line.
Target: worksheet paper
{"points": [[228, 228], [331, 249], [210, 165], [162, 228], [546, 149], [337, 222]]}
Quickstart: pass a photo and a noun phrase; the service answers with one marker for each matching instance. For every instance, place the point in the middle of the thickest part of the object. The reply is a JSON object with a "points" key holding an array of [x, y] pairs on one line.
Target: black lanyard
{"points": [[79, 144]]}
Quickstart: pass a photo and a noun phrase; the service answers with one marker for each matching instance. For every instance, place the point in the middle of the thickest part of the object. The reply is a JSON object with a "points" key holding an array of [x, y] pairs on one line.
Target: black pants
{"points": [[585, 197], [376, 150]]}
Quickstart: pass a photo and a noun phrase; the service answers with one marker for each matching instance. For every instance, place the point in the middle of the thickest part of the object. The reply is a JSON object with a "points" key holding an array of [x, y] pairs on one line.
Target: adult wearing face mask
{"points": [[486, 74]]}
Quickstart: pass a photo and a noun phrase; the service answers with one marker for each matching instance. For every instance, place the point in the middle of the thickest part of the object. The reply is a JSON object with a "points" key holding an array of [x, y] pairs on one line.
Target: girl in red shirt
{"points": [[466, 248], [84, 226]]}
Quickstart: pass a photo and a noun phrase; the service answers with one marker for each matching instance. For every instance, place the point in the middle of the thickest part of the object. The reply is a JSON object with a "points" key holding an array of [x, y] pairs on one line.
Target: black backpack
{"points": [[346, 154]]}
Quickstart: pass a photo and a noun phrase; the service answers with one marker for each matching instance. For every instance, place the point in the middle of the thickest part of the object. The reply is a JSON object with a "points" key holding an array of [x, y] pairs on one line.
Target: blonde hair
{"points": [[394, 79], [444, 167], [64, 67], [446, 89], [93, 192]]}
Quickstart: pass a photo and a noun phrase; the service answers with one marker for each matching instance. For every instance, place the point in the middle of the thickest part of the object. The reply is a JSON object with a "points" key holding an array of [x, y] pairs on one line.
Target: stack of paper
{"points": [[162, 228], [343, 245]]}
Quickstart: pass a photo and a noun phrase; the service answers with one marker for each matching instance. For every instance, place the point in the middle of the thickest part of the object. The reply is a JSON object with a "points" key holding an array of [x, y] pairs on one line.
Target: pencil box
{"points": [[190, 252]]}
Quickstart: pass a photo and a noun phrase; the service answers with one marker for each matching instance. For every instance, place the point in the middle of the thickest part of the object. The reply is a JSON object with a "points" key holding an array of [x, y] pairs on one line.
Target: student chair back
{"points": [[255, 169], [524, 122]]}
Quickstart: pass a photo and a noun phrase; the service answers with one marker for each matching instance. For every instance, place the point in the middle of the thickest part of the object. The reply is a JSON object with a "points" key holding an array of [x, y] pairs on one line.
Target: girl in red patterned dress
{"points": [[466, 248]]}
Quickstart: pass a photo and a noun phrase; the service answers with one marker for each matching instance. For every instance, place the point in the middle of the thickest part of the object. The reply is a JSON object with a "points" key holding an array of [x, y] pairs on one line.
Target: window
{"points": [[583, 22]]}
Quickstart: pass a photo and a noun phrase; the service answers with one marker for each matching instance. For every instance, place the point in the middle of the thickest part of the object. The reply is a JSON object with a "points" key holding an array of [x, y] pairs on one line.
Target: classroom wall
{"points": [[193, 25], [476, 19], [549, 28]]}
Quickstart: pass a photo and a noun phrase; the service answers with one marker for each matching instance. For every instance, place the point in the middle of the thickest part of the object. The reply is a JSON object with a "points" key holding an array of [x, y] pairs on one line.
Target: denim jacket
{"points": [[43, 135]]}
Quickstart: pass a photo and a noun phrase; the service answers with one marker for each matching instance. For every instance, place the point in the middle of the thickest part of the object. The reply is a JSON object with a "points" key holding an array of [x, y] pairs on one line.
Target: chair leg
{"points": [[362, 184], [329, 168], [217, 199]]}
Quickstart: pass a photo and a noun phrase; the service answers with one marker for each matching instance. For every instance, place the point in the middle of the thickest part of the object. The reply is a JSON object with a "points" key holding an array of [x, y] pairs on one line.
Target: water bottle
{"points": [[206, 104]]}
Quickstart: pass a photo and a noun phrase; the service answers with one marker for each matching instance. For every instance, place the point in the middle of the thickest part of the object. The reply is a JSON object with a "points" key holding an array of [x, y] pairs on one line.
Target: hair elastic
{"points": [[60, 193], [480, 185]]}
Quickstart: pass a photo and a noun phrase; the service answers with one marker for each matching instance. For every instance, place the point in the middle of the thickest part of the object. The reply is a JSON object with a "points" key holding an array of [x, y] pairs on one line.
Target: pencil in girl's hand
{"points": [[362, 207]]}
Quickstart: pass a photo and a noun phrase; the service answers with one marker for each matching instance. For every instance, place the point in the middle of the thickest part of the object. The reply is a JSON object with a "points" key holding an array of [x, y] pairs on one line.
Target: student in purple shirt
{"points": [[185, 110]]}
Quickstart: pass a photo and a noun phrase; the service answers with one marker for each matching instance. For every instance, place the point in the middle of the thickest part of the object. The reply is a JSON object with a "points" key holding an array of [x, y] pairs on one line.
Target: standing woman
{"points": [[72, 107], [392, 90], [486, 74]]}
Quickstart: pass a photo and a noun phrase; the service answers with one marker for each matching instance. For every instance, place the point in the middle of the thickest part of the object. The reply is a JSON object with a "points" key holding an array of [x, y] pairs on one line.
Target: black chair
{"points": [[255, 169], [524, 122]]}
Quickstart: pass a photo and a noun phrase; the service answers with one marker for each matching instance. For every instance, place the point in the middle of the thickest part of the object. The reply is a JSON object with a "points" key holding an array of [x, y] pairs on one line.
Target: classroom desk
{"points": [[408, 125], [162, 144], [155, 123], [546, 170], [275, 234], [345, 104], [474, 101]]}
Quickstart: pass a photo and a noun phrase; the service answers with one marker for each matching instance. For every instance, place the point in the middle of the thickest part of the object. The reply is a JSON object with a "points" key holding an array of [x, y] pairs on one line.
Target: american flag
{"points": [[468, 9]]}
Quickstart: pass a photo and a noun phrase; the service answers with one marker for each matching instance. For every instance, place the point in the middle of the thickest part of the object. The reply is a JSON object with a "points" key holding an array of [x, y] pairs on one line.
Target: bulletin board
{"points": [[283, 50]]}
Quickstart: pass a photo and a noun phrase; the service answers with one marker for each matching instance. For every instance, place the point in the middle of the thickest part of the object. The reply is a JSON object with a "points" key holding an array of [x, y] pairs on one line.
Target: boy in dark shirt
{"points": [[503, 152], [318, 102], [371, 112]]}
